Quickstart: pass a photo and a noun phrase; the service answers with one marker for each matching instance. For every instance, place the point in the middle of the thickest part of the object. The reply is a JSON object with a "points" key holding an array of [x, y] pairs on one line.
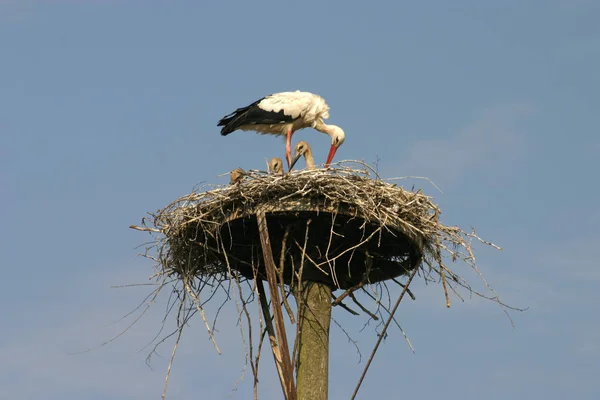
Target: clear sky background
{"points": [[108, 109]]}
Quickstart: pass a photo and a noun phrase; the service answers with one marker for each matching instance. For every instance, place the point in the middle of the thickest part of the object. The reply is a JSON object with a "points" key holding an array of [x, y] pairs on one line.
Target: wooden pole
{"points": [[314, 303]]}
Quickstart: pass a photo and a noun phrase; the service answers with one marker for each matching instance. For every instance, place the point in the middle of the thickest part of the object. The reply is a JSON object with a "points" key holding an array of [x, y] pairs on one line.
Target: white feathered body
{"points": [[282, 114], [277, 113]]}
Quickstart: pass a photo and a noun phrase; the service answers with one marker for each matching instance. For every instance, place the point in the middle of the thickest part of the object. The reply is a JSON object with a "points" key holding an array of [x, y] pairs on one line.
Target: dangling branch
{"points": [[347, 293], [264, 305], [369, 313], [382, 334], [271, 272], [345, 307], [280, 272]]}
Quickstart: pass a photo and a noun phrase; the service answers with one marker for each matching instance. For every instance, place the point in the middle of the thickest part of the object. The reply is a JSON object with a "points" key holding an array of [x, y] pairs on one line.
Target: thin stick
{"points": [[270, 331], [369, 313], [200, 309], [382, 334], [345, 307], [445, 286], [180, 331], [410, 293], [415, 177], [271, 272], [347, 292], [280, 272], [171, 363], [298, 293]]}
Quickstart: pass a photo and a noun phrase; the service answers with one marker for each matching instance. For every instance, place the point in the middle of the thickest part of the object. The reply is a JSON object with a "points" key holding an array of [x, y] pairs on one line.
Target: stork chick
{"points": [[303, 149], [236, 176], [276, 166]]}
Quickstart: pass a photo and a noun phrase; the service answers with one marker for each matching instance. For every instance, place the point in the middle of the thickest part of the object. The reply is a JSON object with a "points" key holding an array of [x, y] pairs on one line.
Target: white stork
{"points": [[276, 166], [283, 114], [303, 149]]}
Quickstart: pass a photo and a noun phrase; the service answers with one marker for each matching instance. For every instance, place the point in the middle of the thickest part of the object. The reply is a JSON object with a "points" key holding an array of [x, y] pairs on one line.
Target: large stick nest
{"points": [[341, 226]]}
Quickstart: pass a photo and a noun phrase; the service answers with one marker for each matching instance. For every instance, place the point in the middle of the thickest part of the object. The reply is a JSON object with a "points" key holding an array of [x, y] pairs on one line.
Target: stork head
{"points": [[236, 176], [301, 149], [337, 138], [276, 166]]}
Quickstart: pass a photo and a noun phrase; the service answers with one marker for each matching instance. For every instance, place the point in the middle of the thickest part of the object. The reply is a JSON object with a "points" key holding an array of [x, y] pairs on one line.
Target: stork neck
{"points": [[323, 127], [310, 162]]}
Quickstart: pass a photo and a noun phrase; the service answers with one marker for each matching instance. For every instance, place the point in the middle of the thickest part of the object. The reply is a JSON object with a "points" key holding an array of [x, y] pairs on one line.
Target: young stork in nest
{"points": [[303, 149], [236, 176], [283, 114], [276, 166]]}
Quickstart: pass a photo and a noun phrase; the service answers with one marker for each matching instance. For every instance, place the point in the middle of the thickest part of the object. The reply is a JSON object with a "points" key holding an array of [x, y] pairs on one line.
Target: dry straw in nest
{"points": [[343, 226]]}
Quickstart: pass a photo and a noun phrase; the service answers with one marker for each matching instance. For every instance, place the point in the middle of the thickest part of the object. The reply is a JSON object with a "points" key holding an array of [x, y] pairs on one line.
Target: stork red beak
{"points": [[332, 151]]}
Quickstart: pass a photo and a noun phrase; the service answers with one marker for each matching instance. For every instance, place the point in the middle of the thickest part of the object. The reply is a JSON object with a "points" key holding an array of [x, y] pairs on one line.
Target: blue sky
{"points": [[108, 109]]}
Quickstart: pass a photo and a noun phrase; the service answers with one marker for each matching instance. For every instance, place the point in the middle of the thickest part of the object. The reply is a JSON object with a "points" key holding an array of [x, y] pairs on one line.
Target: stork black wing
{"points": [[252, 115]]}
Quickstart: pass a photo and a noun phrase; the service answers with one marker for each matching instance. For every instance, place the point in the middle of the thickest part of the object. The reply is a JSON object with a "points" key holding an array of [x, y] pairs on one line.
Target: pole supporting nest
{"points": [[314, 305]]}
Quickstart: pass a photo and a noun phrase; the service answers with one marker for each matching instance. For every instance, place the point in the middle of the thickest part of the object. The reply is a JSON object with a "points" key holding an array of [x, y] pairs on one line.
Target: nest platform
{"points": [[338, 226]]}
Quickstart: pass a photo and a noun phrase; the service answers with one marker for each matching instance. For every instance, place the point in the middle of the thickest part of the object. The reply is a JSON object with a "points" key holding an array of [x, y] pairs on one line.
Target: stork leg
{"points": [[288, 148]]}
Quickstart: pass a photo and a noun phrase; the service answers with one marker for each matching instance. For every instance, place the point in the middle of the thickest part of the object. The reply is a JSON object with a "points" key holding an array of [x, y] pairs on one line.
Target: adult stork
{"points": [[283, 114], [303, 149]]}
